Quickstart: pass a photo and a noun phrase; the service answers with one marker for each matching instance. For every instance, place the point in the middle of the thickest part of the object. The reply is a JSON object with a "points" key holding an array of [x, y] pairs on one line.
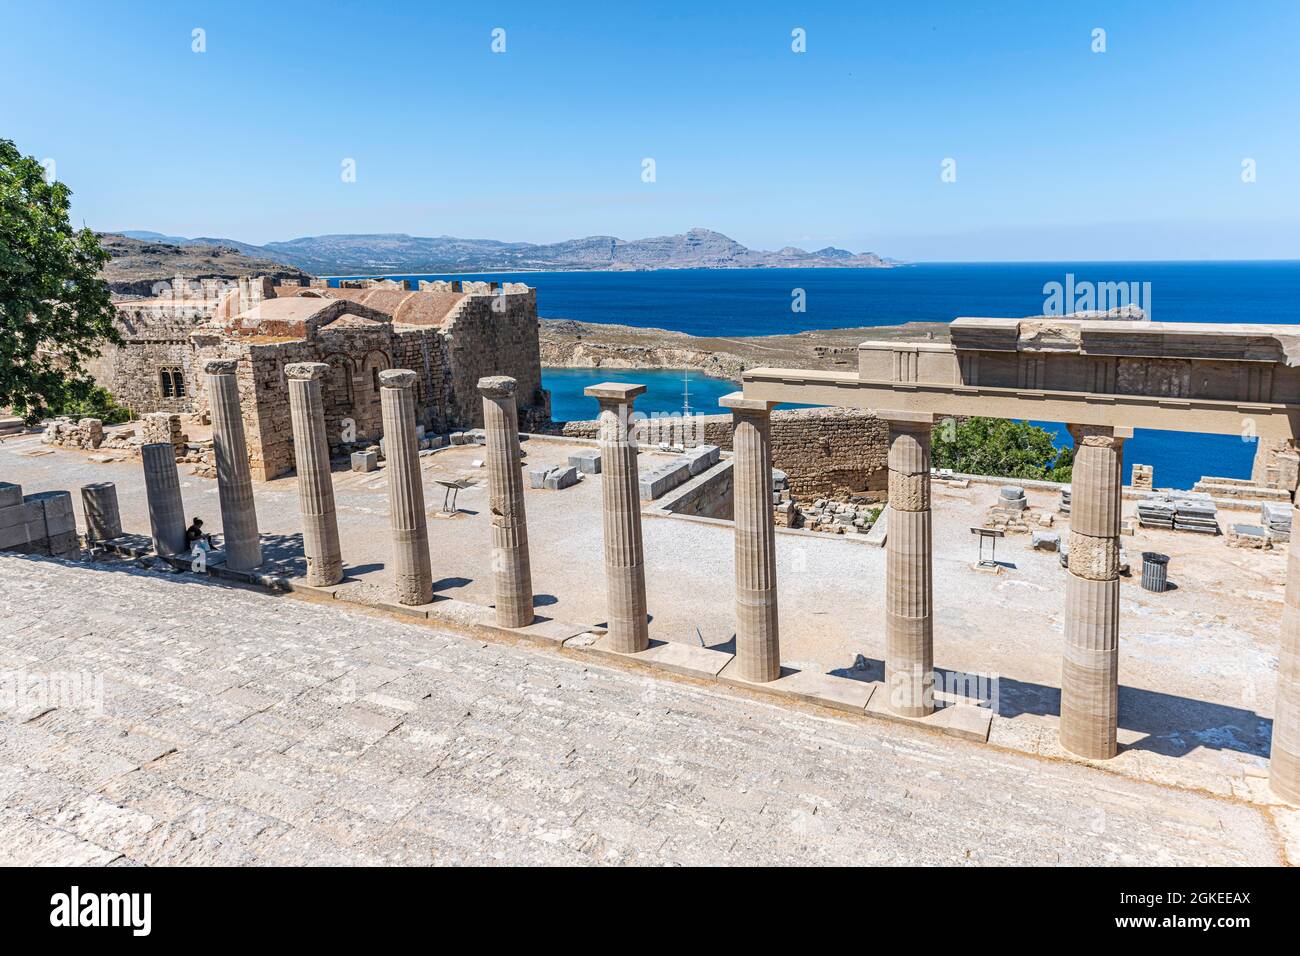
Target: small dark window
{"points": [[171, 382], [374, 377]]}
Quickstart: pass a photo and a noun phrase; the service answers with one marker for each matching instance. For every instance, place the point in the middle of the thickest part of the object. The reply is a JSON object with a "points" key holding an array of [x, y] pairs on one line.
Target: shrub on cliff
{"points": [[996, 446], [55, 311]]}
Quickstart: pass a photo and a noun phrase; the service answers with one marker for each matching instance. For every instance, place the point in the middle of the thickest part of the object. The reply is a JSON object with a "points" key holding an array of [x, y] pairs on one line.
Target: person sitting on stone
{"points": [[194, 535]]}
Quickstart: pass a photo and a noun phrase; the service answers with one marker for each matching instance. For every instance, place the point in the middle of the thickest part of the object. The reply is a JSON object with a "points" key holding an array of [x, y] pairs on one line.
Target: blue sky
{"points": [[1061, 153]]}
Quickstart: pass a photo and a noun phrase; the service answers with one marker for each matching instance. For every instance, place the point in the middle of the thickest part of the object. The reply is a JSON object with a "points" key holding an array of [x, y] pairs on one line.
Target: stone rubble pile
{"points": [[1011, 513], [87, 433], [832, 517]]}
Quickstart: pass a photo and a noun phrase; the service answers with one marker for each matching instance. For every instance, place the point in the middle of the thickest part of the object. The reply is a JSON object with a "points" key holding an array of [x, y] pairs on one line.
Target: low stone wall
{"points": [[66, 433], [826, 452]]}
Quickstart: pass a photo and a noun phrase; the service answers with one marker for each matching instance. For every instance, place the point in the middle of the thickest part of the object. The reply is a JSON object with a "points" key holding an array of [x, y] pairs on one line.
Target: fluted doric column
{"points": [[162, 487], [311, 453], [1284, 759], [909, 599], [242, 544], [99, 504], [1090, 664], [621, 494], [511, 574], [412, 574], [758, 641]]}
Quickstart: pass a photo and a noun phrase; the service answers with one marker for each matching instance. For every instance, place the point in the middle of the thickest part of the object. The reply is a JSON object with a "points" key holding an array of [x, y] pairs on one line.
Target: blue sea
{"points": [[759, 302]]}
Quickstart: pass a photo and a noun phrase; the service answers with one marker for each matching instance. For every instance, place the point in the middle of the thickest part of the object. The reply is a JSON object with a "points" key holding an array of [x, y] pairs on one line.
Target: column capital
{"points": [[739, 404], [306, 371], [904, 420], [396, 378], [220, 366], [497, 386], [1100, 435], [614, 393]]}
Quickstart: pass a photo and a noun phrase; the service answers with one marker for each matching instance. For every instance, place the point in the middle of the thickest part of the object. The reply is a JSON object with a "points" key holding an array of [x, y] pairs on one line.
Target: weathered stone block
{"points": [[364, 461], [10, 494], [558, 478], [587, 462]]}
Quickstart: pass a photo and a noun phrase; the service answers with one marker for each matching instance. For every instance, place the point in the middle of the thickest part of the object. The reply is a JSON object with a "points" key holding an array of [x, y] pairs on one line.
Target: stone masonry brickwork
{"points": [[450, 334]]}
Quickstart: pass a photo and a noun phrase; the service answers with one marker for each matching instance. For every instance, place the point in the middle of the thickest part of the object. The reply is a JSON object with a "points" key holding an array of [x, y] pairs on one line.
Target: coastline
{"points": [[568, 343]]}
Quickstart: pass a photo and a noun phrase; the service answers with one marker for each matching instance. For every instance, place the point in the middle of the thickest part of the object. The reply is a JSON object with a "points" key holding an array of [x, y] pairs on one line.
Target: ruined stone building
{"points": [[450, 333]]}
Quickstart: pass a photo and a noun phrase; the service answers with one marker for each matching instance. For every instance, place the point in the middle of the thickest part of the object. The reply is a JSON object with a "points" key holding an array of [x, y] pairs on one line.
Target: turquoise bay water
{"points": [[758, 302], [664, 390]]}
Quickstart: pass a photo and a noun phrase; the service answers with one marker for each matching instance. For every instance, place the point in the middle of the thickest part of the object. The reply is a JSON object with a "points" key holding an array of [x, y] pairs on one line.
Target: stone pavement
{"points": [[235, 727]]}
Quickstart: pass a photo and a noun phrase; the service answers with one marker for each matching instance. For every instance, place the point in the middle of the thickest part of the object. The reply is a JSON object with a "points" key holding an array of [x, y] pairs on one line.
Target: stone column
{"points": [[239, 536], [412, 575], [99, 504], [909, 599], [162, 486], [1090, 666], [1284, 760], [311, 452], [512, 580], [758, 641], [621, 494]]}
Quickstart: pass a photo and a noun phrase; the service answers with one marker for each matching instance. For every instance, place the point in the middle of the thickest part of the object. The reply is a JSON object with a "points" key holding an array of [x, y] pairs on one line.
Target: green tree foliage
{"points": [[55, 311], [98, 402], [996, 446]]}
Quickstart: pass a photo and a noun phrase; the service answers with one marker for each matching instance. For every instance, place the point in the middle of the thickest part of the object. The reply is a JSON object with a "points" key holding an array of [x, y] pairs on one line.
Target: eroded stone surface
{"points": [[288, 732]]}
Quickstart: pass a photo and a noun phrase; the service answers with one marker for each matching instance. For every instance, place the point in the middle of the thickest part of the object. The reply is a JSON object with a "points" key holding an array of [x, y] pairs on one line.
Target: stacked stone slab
{"points": [[1143, 477], [320, 528], [99, 505], [159, 427], [240, 537], [1277, 519], [162, 487], [42, 523], [758, 644], [909, 628], [412, 573], [621, 518], [511, 570], [1090, 665]]}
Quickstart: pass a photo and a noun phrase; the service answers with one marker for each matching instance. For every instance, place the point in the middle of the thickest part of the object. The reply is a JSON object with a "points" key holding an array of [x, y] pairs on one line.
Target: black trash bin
{"points": [[1155, 571]]}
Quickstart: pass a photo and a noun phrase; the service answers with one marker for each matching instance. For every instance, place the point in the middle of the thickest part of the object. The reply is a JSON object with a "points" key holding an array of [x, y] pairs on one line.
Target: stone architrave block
{"points": [[587, 462], [558, 478], [702, 458]]}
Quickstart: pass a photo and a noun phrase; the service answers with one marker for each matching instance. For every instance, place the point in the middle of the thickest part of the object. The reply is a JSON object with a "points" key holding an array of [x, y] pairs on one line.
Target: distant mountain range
{"points": [[397, 253], [137, 265]]}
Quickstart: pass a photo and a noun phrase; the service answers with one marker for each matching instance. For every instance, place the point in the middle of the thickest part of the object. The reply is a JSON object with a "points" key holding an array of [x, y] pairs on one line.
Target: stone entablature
{"points": [[1103, 379], [1193, 361]]}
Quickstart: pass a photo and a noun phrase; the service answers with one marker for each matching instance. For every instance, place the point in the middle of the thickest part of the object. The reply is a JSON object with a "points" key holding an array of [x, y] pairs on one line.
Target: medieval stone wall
{"points": [[495, 334], [826, 452], [155, 338]]}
